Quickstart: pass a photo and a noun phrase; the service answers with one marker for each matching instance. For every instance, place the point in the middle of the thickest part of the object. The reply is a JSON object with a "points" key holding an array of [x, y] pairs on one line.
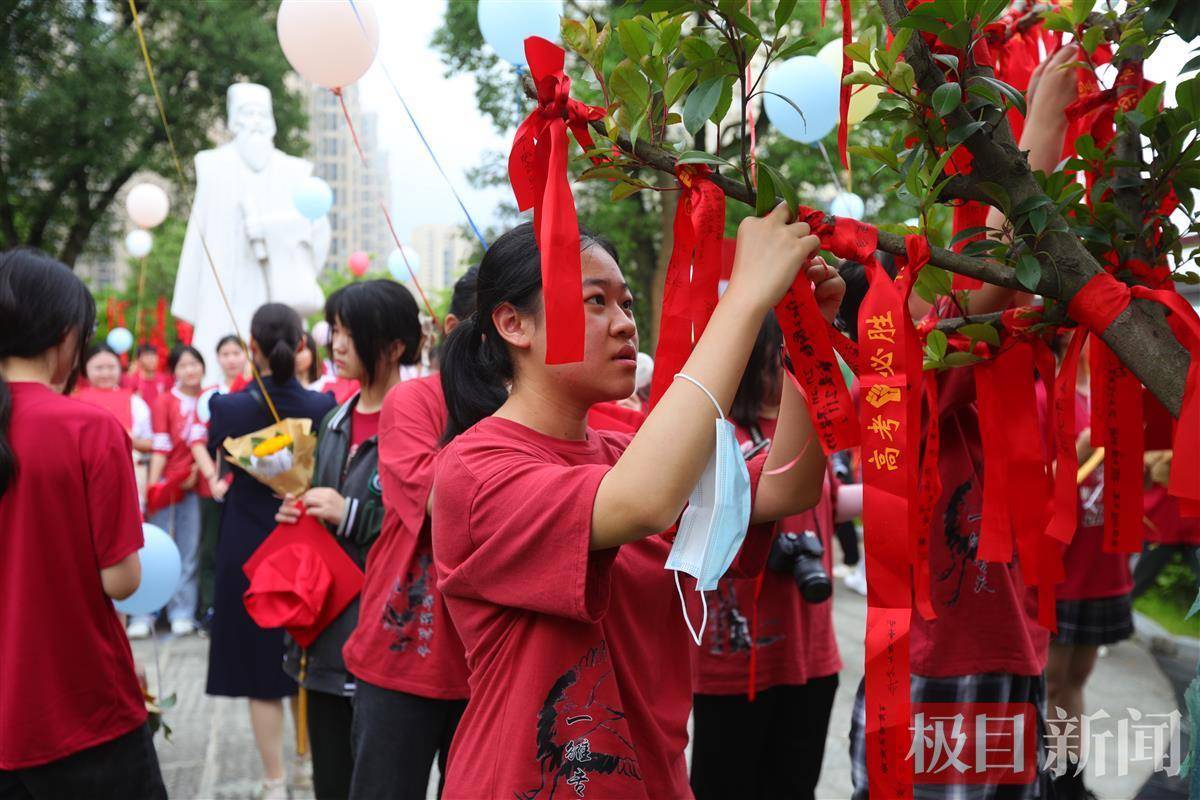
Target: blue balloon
{"points": [[398, 268], [120, 340], [813, 87], [505, 25], [161, 569], [847, 204], [313, 198]]}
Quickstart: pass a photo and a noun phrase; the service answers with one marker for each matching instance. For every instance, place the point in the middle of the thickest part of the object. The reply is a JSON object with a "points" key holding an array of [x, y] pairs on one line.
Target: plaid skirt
{"points": [[1094, 622], [992, 687]]}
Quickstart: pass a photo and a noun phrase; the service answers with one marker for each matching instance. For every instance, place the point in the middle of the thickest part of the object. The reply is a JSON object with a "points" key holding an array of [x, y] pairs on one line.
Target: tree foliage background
{"points": [[77, 116]]}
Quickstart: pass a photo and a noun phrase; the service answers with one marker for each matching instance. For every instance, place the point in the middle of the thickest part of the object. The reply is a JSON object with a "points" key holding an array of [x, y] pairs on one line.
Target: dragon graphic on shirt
{"points": [[579, 734], [411, 600], [960, 528], [731, 629]]}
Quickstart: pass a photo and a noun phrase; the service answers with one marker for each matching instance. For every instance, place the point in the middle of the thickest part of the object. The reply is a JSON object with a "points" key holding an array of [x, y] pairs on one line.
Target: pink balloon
{"points": [[324, 40], [359, 263]]}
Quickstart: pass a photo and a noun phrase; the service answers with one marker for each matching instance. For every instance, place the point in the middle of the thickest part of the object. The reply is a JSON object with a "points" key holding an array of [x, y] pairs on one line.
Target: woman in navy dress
{"points": [[245, 660]]}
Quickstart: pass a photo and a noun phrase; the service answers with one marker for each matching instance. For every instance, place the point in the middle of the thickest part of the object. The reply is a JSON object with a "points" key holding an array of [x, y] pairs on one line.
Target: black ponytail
{"points": [[476, 367], [41, 302], [277, 331]]}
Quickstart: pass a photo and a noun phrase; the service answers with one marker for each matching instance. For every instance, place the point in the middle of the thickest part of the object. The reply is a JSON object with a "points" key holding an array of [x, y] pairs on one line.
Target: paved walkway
{"points": [[211, 754]]}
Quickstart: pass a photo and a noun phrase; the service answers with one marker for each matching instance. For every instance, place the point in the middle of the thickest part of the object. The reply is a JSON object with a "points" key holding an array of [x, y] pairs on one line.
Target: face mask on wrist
{"points": [[714, 523]]}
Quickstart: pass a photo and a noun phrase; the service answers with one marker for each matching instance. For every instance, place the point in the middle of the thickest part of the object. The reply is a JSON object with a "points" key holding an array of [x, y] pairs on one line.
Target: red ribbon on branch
{"points": [[537, 169], [693, 273]]}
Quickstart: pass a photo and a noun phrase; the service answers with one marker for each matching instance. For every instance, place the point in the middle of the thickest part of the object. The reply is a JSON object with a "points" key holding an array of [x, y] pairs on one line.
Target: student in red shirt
{"points": [[143, 376], [72, 716], [181, 459], [375, 327], [769, 656], [102, 368], [547, 534], [405, 653]]}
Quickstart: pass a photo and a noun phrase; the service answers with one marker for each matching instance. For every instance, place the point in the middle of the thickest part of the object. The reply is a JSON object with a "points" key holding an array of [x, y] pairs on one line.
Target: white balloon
{"points": [[320, 333], [329, 42], [505, 25], [147, 205], [847, 204], [138, 243]]}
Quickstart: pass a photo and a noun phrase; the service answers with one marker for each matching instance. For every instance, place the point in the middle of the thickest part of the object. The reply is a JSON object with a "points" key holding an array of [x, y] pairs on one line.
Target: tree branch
{"points": [[1140, 336]]}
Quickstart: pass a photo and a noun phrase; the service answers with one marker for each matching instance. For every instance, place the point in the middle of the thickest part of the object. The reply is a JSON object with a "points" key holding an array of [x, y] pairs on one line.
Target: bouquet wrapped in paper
{"points": [[281, 456]]}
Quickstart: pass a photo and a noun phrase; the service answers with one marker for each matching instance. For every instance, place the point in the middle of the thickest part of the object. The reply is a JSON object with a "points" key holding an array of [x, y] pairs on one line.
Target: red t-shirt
{"points": [[362, 427], [1092, 574], [404, 640], [148, 388], [794, 642], [176, 429], [580, 666], [986, 621], [67, 680], [1164, 523], [611, 416]]}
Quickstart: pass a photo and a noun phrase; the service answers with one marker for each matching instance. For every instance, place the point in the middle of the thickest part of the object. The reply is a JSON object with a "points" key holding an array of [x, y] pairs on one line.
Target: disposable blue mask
{"points": [[714, 523]]}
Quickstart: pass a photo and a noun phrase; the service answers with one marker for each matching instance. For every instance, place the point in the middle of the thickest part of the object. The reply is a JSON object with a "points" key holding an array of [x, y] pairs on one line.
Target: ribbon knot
{"points": [[1099, 302]]}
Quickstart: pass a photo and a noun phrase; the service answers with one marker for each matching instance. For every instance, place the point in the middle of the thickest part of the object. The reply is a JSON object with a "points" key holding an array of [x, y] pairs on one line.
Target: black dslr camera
{"points": [[800, 554]]}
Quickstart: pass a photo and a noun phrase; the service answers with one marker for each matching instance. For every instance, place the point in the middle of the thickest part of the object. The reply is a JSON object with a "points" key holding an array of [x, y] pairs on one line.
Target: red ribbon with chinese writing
{"points": [[887, 450], [693, 273], [537, 169]]}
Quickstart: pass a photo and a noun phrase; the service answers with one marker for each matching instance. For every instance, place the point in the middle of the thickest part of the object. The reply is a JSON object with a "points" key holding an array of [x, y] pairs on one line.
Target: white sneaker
{"points": [[183, 627], [857, 580], [841, 571], [274, 790], [138, 630]]}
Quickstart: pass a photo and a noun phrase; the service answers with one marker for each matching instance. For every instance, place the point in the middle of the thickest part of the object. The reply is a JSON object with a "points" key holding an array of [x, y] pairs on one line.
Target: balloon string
{"points": [[140, 289], [825, 154], [162, 113], [382, 206], [392, 229]]}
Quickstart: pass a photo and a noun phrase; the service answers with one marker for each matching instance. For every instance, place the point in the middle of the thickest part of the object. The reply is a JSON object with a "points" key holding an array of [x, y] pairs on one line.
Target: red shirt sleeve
{"points": [[160, 421], [410, 424], [525, 536], [112, 497]]}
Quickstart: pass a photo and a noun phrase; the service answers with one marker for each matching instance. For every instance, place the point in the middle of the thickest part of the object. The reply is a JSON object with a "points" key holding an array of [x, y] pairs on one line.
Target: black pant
{"points": [[1154, 559], [771, 748], [395, 736], [329, 723], [125, 768], [847, 536]]}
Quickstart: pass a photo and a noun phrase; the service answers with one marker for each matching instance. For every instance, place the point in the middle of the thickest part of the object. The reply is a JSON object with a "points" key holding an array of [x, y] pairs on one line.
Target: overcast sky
{"points": [[444, 108]]}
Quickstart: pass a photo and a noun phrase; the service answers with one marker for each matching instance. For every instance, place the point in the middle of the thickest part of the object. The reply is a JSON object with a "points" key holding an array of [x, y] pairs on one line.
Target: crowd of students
{"points": [[556, 578]]}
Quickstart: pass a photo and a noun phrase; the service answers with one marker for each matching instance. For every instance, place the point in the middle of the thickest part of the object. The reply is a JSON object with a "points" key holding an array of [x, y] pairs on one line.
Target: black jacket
{"points": [[357, 480]]}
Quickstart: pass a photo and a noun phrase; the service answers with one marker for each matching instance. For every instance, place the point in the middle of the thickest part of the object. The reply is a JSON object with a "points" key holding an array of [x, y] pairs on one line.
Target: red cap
{"points": [[300, 579]]}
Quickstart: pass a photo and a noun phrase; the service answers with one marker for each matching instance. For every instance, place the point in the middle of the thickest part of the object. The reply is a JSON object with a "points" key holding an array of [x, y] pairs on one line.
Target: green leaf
{"points": [[931, 282], [1029, 272], [950, 61], [696, 50], [997, 193], [701, 103], [1029, 204], [783, 186], [701, 157], [723, 103], [859, 51], [961, 359], [629, 85], [936, 343], [744, 23], [633, 38], [1190, 278], [1156, 15], [623, 190], [968, 233], [575, 36], [796, 47], [902, 77], [1092, 37], [863, 77], [677, 84], [1014, 97], [1037, 220], [635, 131], [946, 98], [783, 12], [981, 332], [957, 37], [921, 23], [765, 201], [669, 36], [963, 132], [1187, 96]]}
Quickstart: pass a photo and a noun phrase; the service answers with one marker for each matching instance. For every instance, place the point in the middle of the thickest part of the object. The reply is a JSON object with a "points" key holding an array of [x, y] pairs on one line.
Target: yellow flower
{"points": [[272, 445]]}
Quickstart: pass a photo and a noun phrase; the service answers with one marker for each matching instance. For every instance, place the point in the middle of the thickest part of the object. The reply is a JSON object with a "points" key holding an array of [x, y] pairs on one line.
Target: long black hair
{"points": [[41, 302], [378, 314], [476, 366], [761, 376], [178, 352], [277, 331], [462, 301]]}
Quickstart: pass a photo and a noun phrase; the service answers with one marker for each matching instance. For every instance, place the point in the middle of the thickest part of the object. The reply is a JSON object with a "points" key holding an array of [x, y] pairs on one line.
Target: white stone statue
{"points": [[263, 249]]}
